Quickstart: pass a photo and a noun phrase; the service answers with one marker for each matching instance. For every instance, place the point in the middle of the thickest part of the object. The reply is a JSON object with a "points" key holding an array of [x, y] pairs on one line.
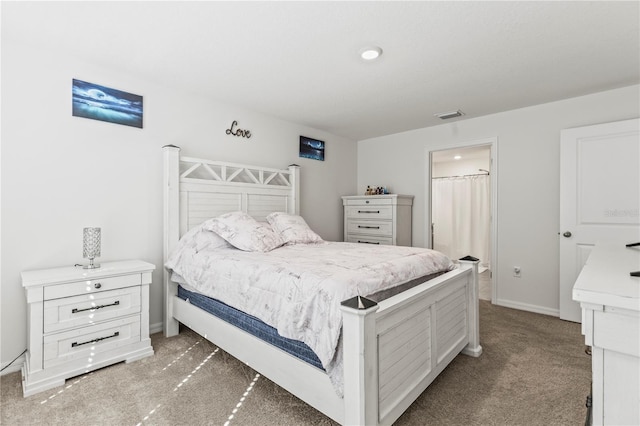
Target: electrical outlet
{"points": [[516, 271]]}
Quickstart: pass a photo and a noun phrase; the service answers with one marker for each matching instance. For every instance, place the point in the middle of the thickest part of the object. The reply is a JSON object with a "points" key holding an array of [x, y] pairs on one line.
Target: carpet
{"points": [[533, 371]]}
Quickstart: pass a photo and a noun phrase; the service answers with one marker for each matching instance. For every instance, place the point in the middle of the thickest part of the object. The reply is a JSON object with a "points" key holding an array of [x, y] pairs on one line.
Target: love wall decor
{"points": [[238, 132]]}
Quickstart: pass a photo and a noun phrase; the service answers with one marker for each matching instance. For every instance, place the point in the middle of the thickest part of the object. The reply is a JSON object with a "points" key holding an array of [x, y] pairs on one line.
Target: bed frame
{"points": [[392, 349]]}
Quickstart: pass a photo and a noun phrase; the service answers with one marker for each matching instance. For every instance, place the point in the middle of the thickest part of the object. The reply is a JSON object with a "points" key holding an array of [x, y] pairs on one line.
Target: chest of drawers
{"points": [[610, 300], [80, 320], [378, 219]]}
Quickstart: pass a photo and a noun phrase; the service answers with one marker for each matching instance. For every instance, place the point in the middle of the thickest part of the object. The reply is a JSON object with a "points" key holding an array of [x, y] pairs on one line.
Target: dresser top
{"points": [[385, 198], [382, 196], [605, 278], [77, 273]]}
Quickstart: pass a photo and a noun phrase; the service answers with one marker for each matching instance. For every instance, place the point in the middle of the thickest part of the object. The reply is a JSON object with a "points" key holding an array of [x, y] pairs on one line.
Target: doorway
{"points": [[462, 203]]}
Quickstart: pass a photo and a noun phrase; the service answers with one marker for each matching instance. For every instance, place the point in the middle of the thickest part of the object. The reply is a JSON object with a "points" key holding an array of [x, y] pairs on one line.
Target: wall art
{"points": [[311, 148], [106, 104], [235, 131]]}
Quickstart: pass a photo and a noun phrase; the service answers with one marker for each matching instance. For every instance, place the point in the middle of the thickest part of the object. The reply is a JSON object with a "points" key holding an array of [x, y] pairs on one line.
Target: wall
{"points": [[61, 173], [528, 164]]}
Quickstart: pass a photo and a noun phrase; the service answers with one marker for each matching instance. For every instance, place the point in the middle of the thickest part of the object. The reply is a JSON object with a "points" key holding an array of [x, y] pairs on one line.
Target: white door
{"points": [[599, 197]]}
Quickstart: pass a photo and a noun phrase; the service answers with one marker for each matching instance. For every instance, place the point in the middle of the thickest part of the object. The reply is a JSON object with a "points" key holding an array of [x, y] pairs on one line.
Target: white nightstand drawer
{"points": [[84, 343], [60, 314], [370, 228], [369, 212], [369, 240], [91, 286]]}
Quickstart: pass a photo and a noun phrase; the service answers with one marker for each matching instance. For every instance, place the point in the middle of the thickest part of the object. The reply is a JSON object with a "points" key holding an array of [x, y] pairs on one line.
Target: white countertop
{"points": [[605, 278]]}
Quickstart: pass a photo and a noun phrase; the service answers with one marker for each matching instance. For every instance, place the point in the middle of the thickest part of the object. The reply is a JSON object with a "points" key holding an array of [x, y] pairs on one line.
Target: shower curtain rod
{"points": [[449, 177]]}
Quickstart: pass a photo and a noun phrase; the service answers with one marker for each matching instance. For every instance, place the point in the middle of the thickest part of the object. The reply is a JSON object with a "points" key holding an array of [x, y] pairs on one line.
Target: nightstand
{"points": [[80, 320]]}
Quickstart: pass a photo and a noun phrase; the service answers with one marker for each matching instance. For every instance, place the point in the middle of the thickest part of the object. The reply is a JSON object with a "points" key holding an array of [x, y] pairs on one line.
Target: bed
{"points": [[391, 349]]}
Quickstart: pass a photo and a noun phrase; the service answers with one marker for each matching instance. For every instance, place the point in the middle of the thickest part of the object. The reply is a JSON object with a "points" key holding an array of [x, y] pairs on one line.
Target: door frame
{"points": [[492, 143]]}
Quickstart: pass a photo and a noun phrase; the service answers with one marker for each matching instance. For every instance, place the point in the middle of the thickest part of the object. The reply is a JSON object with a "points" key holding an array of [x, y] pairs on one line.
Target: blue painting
{"points": [[105, 104], [311, 148]]}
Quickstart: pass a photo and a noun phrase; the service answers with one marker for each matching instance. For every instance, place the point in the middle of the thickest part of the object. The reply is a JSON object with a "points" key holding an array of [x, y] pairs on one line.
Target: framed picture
{"points": [[106, 104], [311, 148]]}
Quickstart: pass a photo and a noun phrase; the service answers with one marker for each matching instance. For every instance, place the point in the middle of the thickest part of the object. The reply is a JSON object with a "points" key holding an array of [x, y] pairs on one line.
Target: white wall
{"points": [[528, 182], [61, 173], [461, 167]]}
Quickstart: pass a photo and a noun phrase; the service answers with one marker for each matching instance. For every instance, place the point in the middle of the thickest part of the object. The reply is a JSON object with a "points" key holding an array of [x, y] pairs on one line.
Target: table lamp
{"points": [[91, 246]]}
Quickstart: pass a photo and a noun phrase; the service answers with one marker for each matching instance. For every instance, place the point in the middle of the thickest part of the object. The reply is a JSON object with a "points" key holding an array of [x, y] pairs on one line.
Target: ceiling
{"points": [[298, 61]]}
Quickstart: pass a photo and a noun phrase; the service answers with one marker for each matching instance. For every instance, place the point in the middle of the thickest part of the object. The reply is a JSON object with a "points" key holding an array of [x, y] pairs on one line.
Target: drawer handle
{"points": [[369, 211], [97, 285], [367, 242], [93, 308], [368, 227], [96, 340]]}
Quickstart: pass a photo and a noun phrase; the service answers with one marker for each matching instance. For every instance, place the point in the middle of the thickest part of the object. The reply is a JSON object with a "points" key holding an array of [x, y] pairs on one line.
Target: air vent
{"points": [[447, 115]]}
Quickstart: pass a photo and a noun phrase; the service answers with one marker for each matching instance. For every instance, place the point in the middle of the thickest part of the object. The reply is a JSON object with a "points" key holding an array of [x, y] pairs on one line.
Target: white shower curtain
{"points": [[461, 217]]}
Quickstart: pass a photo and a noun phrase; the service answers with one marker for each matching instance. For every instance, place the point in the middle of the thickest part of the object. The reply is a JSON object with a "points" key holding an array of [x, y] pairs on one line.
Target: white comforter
{"points": [[297, 289]]}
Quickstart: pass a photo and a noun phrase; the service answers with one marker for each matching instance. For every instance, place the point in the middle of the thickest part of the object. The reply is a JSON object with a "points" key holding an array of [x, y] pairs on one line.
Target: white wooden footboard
{"points": [[393, 350]]}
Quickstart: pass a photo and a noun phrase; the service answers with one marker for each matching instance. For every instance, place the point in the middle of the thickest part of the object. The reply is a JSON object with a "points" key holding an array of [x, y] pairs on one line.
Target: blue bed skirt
{"points": [[251, 325]]}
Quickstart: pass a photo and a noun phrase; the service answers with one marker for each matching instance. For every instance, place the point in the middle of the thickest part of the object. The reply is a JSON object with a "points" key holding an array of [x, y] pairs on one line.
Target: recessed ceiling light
{"points": [[370, 53], [457, 157]]}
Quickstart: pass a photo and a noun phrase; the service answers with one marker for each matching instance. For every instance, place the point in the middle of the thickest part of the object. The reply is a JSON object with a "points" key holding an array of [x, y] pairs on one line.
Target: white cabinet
{"points": [[83, 319], [378, 219], [610, 300]]}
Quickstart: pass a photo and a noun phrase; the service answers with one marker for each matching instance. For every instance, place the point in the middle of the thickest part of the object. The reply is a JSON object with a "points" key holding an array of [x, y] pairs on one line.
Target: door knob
{"points": [[567, 234]]}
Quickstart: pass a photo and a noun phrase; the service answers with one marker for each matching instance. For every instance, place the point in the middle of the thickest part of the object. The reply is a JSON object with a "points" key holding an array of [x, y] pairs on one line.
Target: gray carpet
{"points": [[533, 371]]}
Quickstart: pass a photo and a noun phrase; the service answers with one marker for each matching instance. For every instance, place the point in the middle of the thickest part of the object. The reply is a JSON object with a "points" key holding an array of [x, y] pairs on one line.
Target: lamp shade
{"points": [[91, 243]]}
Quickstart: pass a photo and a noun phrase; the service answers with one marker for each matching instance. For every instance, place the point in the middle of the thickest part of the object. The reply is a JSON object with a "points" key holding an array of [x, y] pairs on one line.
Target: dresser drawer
{"points": [[369, 212], [61, 314], [369, 240], [369, 201], [84, 343], [370, 227], [91, 286]]}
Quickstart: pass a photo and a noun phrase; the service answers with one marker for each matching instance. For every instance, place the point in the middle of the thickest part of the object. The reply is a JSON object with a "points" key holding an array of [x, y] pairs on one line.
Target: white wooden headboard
{"points": [[196, 190]]}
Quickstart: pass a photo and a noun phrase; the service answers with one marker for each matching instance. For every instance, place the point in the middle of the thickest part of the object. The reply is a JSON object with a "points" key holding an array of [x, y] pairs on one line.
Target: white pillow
{"points": [[244, 232], [202, 238], [292, 228]]}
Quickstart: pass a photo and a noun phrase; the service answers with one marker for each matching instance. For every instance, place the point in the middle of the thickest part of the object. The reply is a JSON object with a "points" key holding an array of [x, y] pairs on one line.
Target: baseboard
{"points": [[16, 366], [155, 328], [527, 307]]}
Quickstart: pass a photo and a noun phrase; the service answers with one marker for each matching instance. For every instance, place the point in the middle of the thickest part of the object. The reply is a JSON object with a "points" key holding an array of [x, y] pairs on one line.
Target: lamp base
{"points": [[91, 266]]}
